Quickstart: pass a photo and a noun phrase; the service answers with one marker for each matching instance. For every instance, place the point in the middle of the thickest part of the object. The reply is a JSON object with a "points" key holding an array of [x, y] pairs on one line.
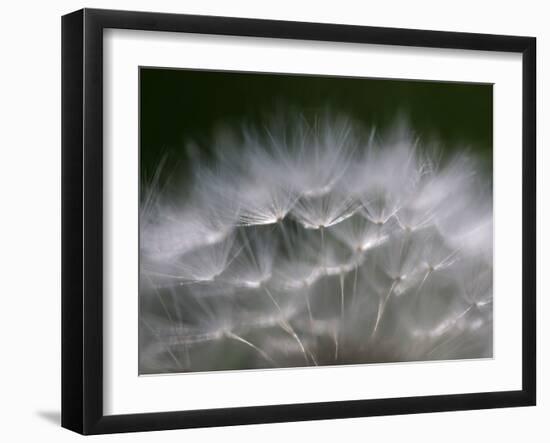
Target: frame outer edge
{"points": [[72, 221], [92, 197], [82, 216], [529, 192]]}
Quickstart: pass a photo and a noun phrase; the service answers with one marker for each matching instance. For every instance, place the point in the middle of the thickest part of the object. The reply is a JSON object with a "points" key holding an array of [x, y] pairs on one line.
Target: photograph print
{"points": [[294, 221]]}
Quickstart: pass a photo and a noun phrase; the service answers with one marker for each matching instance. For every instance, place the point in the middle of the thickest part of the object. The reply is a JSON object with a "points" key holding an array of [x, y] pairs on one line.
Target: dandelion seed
{"points": [[360, 234], [314, 157], [200, 265], [323, 212]]}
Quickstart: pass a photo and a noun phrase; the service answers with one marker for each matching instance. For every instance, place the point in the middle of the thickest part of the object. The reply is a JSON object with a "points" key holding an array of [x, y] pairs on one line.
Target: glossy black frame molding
{"points": [[82, 220]]}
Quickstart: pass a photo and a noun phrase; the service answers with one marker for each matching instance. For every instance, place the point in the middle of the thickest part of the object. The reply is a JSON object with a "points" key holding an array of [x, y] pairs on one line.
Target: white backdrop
{"points": [[30, 234]]}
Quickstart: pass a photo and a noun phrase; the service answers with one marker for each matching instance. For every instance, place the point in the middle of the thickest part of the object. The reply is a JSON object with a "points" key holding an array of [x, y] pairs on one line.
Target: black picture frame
{"points": [[82, 220]]}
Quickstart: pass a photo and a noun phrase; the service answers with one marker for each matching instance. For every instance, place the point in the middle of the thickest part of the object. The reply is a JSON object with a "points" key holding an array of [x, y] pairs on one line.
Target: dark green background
{"points": [[178, 106]]}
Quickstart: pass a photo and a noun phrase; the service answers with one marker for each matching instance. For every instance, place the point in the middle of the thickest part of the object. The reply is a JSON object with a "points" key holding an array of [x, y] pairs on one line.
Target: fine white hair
{"points": [[317, 242]]}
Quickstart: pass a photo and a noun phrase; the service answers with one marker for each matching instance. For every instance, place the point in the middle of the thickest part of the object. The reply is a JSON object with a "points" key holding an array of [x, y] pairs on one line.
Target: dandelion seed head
{"points": [[313, 241]]}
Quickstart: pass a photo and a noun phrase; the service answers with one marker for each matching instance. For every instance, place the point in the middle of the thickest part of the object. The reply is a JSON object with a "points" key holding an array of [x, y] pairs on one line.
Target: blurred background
{"points": [[181, 106]]}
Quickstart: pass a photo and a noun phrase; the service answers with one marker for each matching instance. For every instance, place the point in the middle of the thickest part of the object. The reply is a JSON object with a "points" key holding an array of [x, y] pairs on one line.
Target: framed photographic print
{"points": [[270, 221]]}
